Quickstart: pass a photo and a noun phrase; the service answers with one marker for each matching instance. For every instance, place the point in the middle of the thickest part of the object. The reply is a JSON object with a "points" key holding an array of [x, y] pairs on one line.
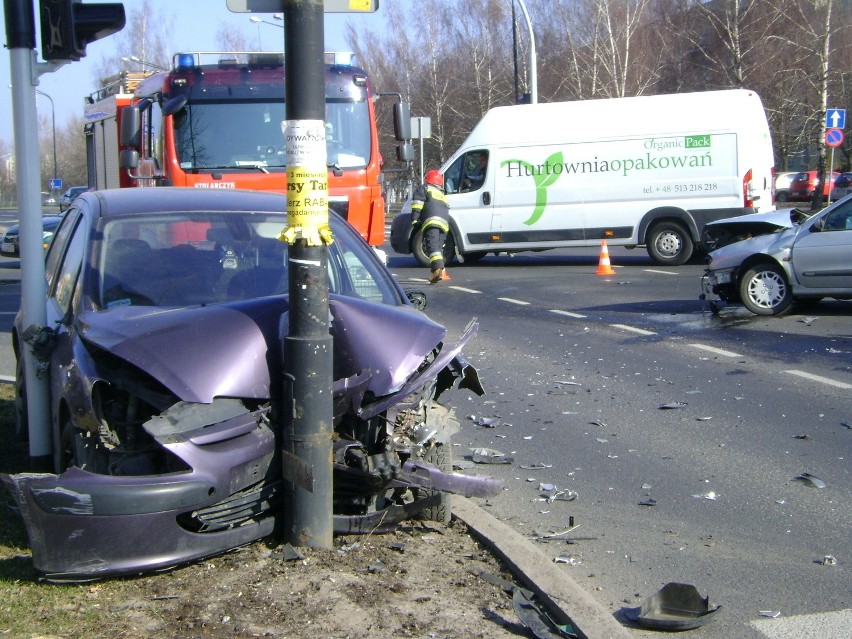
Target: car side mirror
{"points": [[818, 226]]}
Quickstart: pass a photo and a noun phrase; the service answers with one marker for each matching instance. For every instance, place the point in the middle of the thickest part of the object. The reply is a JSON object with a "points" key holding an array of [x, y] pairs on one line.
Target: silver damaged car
{"points": [[772, 266]]}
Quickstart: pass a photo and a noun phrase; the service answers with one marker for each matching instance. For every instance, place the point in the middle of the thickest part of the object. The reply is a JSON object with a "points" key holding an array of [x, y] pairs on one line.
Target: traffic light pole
{"points": [[20, 39], [307, 348]]}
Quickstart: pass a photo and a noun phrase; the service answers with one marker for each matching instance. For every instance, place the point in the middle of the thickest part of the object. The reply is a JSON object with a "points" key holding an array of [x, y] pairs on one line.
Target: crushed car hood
{"points": [[721, 233], [235, 349]]}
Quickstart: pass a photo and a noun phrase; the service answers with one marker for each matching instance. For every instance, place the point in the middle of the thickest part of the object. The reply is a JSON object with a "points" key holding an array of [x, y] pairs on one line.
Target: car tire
{"points": [[22, 422], [669, 244], [782, 196], [765, 290], [419, 251], [439, 455]]}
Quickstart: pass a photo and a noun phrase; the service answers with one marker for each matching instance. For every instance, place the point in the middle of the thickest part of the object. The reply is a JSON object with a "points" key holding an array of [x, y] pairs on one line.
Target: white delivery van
{"points": [[648, 170]]}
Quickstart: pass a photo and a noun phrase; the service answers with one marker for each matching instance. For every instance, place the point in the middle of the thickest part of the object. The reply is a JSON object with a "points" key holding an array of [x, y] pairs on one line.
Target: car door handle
{"points": [[486, 198]]}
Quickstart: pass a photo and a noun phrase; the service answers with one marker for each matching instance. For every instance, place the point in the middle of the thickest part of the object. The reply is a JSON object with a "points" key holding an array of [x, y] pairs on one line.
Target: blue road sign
{"points": [[55, 184], [835, 119]]}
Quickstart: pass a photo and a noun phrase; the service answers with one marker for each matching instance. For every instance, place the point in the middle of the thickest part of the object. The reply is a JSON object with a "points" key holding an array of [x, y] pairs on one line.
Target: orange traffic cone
{"points": [[604, 267]]}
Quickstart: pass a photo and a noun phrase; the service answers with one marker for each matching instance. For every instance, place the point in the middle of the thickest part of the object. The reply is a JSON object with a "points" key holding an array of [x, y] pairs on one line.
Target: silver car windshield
{"points": [[183, 260]]}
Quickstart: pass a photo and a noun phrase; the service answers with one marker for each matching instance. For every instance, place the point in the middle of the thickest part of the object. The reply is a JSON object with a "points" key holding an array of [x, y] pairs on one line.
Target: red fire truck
{"points": [[215, 121]]}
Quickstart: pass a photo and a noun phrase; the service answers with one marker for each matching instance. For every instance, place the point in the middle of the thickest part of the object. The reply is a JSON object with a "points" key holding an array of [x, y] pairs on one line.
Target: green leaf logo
{"points": [[542, 180]]}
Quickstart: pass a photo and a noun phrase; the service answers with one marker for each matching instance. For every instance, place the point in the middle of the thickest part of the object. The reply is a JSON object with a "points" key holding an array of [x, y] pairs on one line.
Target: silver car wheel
{"points": [[765, 291]]}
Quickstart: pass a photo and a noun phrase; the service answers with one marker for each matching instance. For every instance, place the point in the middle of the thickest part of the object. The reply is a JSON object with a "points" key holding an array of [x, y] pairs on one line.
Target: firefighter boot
{"points": [[437, 276]]}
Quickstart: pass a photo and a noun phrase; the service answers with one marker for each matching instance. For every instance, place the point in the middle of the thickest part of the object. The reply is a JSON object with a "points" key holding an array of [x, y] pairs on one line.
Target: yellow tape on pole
{"points": [[307, 183]]}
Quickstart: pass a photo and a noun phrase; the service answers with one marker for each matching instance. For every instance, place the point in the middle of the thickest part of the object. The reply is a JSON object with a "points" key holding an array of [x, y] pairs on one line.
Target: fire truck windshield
{"points": [[247, 135]]}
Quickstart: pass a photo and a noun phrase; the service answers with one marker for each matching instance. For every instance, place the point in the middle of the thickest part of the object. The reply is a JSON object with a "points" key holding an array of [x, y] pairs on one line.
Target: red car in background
{"points": [[804, 184]]}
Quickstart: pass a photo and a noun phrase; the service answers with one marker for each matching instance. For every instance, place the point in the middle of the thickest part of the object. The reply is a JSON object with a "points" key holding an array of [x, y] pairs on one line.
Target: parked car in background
{"points": [[802, 258], [10, 240], [171, 395], [782, 185], [69, 195], [804, 184], [842, 186]]}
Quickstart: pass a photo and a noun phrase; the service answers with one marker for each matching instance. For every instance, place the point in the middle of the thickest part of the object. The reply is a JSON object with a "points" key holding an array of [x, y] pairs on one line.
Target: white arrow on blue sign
{"points": [[835, 119]]}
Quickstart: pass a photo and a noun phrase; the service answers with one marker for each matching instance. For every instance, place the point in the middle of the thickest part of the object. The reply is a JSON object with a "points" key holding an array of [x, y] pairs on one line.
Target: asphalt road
{"points": [[680, 433], [666, 440]]}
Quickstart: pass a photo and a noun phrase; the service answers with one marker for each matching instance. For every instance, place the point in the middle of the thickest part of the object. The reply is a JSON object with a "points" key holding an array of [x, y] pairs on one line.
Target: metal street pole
{"points": [[307, 350], [53, 119], [20, 40], [533, 65]]}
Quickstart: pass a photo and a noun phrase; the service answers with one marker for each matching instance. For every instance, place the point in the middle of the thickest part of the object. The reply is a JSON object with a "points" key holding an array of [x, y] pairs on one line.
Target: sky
{"points": [[196, 24]]}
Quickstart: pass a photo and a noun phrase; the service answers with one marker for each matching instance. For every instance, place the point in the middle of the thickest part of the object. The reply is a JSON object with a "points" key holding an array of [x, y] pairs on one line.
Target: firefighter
{"points": [[431, 212]]}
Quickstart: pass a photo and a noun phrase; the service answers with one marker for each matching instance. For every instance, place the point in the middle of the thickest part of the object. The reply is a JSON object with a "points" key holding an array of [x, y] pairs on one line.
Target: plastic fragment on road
{"points": [[673, 405], [675, 606], [534, 617], [287, 553], [537, 466], [490, 456], [811, 480], [807, 321], [829, 560], [772, 614], [712, 496], [648, 502], [486, 422], [571, 560]]}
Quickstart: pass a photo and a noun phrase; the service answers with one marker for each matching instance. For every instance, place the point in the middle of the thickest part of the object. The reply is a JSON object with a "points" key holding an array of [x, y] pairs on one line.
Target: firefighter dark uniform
{"points": [[429, 210]]}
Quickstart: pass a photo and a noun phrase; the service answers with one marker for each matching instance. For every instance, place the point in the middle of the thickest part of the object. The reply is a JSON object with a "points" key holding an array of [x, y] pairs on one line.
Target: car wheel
{"points": [[22, 422], [669, 244], [764, 289], [419, 251], [439, 455], [782, 196]]}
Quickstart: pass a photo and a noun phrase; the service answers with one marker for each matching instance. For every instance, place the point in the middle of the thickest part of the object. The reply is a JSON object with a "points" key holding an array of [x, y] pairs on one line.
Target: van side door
{"points": [[468, 183]]}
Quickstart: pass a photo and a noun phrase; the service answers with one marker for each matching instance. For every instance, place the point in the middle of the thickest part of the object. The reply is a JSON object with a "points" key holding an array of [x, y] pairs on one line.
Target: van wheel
{"points": [[669, 244], [419, 251]]}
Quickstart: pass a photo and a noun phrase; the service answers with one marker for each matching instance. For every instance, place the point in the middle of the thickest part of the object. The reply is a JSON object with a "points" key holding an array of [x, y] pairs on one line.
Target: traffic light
{"points": [[67, 26]]}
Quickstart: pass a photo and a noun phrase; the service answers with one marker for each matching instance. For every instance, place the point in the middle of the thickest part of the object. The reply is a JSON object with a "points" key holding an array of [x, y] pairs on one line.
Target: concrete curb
{"points": [[557, 590]]}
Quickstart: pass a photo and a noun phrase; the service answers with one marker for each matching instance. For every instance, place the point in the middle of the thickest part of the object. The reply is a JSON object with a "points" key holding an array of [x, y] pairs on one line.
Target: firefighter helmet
{"points": [[434, 178]]}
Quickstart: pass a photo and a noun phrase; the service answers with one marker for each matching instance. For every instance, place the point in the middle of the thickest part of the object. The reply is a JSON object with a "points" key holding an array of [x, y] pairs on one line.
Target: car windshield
{"points": [[190, 259], [205, 138]]}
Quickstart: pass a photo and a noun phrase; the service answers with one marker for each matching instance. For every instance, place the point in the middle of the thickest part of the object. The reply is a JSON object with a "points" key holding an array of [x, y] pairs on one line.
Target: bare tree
{"points": [[144, 44]]}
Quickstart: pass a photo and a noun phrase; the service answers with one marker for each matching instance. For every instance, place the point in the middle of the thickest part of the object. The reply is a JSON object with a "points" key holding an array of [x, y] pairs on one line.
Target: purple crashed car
{"points": [[167, 309]]}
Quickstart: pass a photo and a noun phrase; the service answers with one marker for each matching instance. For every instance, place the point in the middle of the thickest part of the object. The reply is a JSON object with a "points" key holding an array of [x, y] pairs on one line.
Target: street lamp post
{"points": [[53, 121], [533, 65]]}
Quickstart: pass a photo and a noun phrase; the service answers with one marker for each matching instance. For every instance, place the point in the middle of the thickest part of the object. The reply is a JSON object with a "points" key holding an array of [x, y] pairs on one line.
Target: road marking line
{"points": [[568, 313], [819, 378], [514, 301], [463, 289], [717, 351], [633, 329], [651, 270]]}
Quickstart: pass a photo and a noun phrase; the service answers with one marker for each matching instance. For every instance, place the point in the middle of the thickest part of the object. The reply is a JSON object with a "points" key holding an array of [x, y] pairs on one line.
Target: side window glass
{"points": [[69, 270], [840, 219], [59, 244], [475, 169], [453, 175]]}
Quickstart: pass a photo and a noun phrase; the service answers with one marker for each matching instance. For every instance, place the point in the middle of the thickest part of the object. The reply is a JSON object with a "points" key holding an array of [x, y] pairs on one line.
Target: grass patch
{"points": [[30, 608]]}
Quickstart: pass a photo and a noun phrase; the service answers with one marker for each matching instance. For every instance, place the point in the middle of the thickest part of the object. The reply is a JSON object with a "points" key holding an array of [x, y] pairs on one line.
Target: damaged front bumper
{"points": [[226, 488]]}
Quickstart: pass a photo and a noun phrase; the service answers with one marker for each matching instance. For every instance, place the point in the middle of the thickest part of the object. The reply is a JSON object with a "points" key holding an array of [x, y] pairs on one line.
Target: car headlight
{"points": [[723, 276]]}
